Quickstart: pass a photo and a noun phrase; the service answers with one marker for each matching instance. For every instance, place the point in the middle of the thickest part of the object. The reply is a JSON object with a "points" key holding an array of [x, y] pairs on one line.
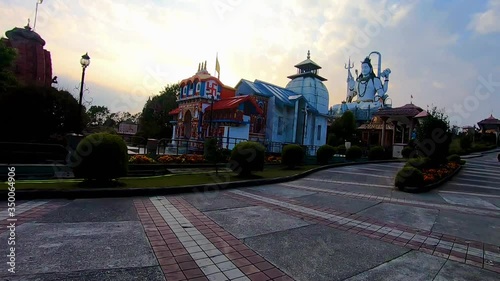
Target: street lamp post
{"points": [[84, 61]]}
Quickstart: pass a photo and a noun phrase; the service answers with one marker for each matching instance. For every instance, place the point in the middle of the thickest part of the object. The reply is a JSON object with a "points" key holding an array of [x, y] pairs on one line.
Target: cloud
{"points": [[137, 47], [487, 21]]}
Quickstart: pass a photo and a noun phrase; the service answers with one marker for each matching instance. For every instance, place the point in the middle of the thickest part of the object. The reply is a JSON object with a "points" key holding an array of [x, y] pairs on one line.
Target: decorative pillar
{"points": [[384, 122], [411, 129], [394, 124]]}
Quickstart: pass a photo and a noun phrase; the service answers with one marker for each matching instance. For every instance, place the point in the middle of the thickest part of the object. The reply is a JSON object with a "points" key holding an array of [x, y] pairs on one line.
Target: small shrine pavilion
{"points": [[490, 125]]}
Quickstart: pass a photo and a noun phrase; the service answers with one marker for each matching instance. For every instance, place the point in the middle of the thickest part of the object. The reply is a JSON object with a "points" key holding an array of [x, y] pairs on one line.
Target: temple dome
{"points": [[309, 84], [313, 90]]}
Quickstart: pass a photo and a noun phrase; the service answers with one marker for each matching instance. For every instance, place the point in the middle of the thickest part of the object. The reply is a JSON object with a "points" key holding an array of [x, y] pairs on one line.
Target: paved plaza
{"points": [[345, 223]]}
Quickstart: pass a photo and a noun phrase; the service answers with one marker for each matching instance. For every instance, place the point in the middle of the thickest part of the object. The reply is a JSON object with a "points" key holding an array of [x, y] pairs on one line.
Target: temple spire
{"points": [[308, 54]]}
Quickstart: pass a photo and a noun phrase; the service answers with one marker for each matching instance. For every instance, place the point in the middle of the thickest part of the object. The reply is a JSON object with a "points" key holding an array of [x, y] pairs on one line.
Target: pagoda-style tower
{"points": [[309, 83]]}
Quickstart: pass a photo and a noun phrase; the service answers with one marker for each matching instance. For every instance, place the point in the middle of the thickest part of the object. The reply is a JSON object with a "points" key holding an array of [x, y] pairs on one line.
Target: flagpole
{"points": [[36, 12]]}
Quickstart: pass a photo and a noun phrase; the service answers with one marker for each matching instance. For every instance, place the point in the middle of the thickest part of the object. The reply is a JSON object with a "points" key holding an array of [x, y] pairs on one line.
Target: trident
{"points": [[348, 66]]}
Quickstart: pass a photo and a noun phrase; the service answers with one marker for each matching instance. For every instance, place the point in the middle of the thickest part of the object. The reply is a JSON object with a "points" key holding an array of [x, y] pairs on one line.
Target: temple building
{"points": [[208, 108], [258, 110], [298, 112], [33, 65]]}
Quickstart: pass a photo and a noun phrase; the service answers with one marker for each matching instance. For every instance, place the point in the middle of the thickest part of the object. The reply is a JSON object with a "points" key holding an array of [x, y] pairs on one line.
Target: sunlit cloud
{"points": [[138, 47]]}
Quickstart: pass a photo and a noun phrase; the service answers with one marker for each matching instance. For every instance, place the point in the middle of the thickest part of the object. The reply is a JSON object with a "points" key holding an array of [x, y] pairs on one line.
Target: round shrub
{"points": [[324, 154], [292, 156], [100, 156], [454, 158], [341, 149], [409, 176], [419, 163], [407, 152], [376, 153], [246, 157], [354, 152]]}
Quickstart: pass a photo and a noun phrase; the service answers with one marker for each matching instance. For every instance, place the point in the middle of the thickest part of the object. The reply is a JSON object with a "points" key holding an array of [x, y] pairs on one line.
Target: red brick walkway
{"points": [[190, 246]]}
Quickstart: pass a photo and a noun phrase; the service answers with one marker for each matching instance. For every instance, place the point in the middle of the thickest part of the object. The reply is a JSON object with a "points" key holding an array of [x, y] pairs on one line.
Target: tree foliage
{"points": [[342, 129], [434, 137], [35, 114], [7, 58], [155, 114], [98, 114]]}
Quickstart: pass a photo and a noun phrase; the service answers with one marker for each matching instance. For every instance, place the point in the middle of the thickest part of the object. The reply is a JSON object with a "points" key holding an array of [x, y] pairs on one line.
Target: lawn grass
{"points": [[171, 180]]}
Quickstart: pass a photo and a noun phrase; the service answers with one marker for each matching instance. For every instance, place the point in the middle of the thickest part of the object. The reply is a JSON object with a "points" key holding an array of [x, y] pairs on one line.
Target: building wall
{"points": [[33, 65]]}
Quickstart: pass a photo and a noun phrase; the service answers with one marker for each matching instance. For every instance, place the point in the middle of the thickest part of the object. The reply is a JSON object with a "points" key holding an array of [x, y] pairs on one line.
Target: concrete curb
{"points": [[155, 191]]}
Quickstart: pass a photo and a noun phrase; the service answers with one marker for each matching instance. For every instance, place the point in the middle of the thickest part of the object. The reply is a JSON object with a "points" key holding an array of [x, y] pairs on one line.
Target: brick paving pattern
{"points": [[385, 199], [475, 253], [28, 212], [190, 246]]}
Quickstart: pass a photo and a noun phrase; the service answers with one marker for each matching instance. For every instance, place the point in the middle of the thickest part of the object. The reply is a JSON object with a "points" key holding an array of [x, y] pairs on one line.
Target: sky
{"points": [[443, 53]]}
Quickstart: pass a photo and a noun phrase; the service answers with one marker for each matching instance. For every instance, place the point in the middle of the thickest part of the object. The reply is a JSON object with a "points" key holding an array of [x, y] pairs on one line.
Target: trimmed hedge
{"points": [[100, 156], [454, 158], [376, 153], [407, 152], [341, 149], [325, 153], [419, 163], [292, 156], [246, 157], [354, 152], [409, 177]]}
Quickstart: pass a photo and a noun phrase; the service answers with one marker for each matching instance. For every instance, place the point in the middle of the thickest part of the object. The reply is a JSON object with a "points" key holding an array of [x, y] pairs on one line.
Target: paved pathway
{"points": [[345, 223]]}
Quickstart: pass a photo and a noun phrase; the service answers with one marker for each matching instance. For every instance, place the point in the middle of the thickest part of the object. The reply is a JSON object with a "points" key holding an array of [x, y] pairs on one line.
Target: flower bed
{"points": [[182, 159], [141, 159], [418, 176], [432, 176], [273, 159]]}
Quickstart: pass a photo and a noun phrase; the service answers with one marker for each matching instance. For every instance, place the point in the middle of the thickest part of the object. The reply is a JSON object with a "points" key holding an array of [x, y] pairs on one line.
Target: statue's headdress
{"points": [[368, 61]]}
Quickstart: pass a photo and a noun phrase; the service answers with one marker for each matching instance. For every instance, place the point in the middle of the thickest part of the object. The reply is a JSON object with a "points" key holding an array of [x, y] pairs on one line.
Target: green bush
{"points": [[100, 156], [376, 153], [324, 154], [465, 142], [226, 154], [462, 162], [419, 163], [246, 157], [434, 137], [454, 158], [293, 155], [409, 176], [211, 151], [354, 152], [341, 149], [407, 152]]}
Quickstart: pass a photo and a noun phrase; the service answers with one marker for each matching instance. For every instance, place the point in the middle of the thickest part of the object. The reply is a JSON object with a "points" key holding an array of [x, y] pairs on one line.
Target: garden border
{"points": [[431, 186], [155, 191]]}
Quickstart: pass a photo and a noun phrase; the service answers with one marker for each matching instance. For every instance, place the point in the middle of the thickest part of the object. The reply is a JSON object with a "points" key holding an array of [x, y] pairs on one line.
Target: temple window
{"points": [[319, 132]]}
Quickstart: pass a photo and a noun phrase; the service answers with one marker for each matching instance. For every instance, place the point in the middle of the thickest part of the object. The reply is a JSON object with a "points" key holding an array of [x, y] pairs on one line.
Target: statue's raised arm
{"points": [[382, 87]]}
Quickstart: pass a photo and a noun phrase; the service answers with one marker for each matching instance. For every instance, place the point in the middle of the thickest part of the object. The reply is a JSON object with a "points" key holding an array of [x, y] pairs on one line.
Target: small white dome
{"points": [[313, 90]]}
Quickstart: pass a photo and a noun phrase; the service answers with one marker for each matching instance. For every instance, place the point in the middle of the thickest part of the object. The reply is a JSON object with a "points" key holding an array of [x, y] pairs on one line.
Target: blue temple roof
{"points": [[283, 95]]}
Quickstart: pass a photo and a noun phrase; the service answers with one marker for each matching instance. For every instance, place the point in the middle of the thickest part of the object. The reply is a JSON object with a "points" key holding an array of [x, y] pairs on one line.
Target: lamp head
{"points": [[85, 60]]}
